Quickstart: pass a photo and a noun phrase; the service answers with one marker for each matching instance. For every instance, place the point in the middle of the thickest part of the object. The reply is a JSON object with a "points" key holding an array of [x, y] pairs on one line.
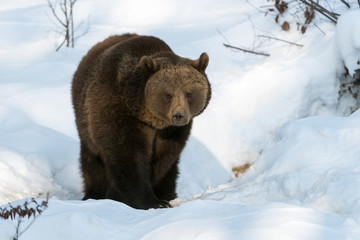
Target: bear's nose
{"points": [[178, 116]]}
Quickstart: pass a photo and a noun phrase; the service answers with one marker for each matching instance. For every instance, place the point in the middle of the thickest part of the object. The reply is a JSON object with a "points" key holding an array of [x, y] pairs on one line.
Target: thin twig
{"points": [[64, 16], [57, 49], [253, 6], [331, 16], [28, 226], [17, 233], [72, 23], [54, 12], [67, 32], [53, 21], [224, 35], [35, 216], [85, 31], [281, 40], [347, 4], [267, 6], [246, 50], [319, 28]]}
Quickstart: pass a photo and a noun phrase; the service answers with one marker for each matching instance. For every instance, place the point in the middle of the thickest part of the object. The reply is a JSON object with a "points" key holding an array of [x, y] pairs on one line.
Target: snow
{"points": [[348, 40], [282, 114]]}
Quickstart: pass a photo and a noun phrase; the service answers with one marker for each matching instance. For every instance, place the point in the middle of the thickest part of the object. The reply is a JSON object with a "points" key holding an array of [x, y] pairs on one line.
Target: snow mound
{"points": [[348, 39], [35, 160], [309, 162]]}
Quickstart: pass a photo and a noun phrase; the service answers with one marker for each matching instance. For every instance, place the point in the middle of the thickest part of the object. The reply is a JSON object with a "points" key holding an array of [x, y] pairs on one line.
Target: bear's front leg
{"points": [[130, 181], [126, 148], [169, 143]]}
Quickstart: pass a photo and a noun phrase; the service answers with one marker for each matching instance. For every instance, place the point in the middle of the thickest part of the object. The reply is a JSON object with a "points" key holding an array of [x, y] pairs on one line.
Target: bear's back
{"points": [[90, 62], [113, 59], [107, 64], [117, 54]]}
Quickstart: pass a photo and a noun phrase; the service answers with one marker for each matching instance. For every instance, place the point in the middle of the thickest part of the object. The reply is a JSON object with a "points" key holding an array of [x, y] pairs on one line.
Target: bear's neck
{"points": [[148, 118]]}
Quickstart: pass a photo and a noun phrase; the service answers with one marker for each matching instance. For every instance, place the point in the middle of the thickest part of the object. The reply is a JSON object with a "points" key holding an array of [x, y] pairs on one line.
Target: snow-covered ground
{"points": [[282, 114]]}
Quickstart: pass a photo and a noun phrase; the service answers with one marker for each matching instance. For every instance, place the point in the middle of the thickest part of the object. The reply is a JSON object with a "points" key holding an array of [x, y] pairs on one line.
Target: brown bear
{"points": [[134, 102]]}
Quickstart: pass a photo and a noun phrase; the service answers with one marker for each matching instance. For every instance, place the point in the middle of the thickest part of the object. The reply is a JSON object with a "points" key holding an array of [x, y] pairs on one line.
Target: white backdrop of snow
{"points": [[305, 176]]}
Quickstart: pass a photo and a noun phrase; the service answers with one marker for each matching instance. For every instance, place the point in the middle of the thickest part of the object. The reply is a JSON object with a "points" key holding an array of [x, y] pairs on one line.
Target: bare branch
{"points": [[54, 13], [57, 49], [53, 21], [65, 12], [224, 35], [281, 40], [28, 209], [246, 50], [330, 15], [256, 7], [63, 6], [72, 24], [347, 4], [72, 2], [86, 29], [319, 28]]}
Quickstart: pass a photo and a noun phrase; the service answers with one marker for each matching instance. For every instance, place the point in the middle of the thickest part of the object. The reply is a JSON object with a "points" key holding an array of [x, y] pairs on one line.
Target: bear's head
{"points": [[177, 89]]}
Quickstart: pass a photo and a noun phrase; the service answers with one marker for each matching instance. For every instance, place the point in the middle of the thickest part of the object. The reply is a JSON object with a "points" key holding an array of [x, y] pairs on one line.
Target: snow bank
{"points": [[199, 169], [200, 219], [348, 39], [35, 160], [310, 162], [254, 100]]}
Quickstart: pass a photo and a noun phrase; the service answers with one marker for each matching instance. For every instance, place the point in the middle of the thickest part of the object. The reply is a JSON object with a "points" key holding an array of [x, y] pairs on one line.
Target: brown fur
{"points": [[134, 102]]}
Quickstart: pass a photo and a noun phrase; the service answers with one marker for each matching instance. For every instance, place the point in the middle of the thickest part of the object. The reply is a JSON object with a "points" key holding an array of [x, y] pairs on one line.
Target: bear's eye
{"points": [[168, 96], [188, 95]]}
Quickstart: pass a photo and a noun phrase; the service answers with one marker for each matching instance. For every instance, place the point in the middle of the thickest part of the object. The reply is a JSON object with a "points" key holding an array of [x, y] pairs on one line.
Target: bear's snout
{"points": [[179, 118]]}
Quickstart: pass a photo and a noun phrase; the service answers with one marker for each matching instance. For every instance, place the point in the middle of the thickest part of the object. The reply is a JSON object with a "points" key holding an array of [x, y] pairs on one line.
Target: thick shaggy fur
{"points": [[134, 102]]}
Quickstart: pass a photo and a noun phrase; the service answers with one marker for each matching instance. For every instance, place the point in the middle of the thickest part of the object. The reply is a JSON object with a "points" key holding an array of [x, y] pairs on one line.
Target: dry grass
{"points": [[238, 170]]}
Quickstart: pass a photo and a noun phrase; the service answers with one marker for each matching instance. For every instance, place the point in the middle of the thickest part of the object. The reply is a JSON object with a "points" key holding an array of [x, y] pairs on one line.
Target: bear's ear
{"points": [[201, 63], [149, 64]]}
